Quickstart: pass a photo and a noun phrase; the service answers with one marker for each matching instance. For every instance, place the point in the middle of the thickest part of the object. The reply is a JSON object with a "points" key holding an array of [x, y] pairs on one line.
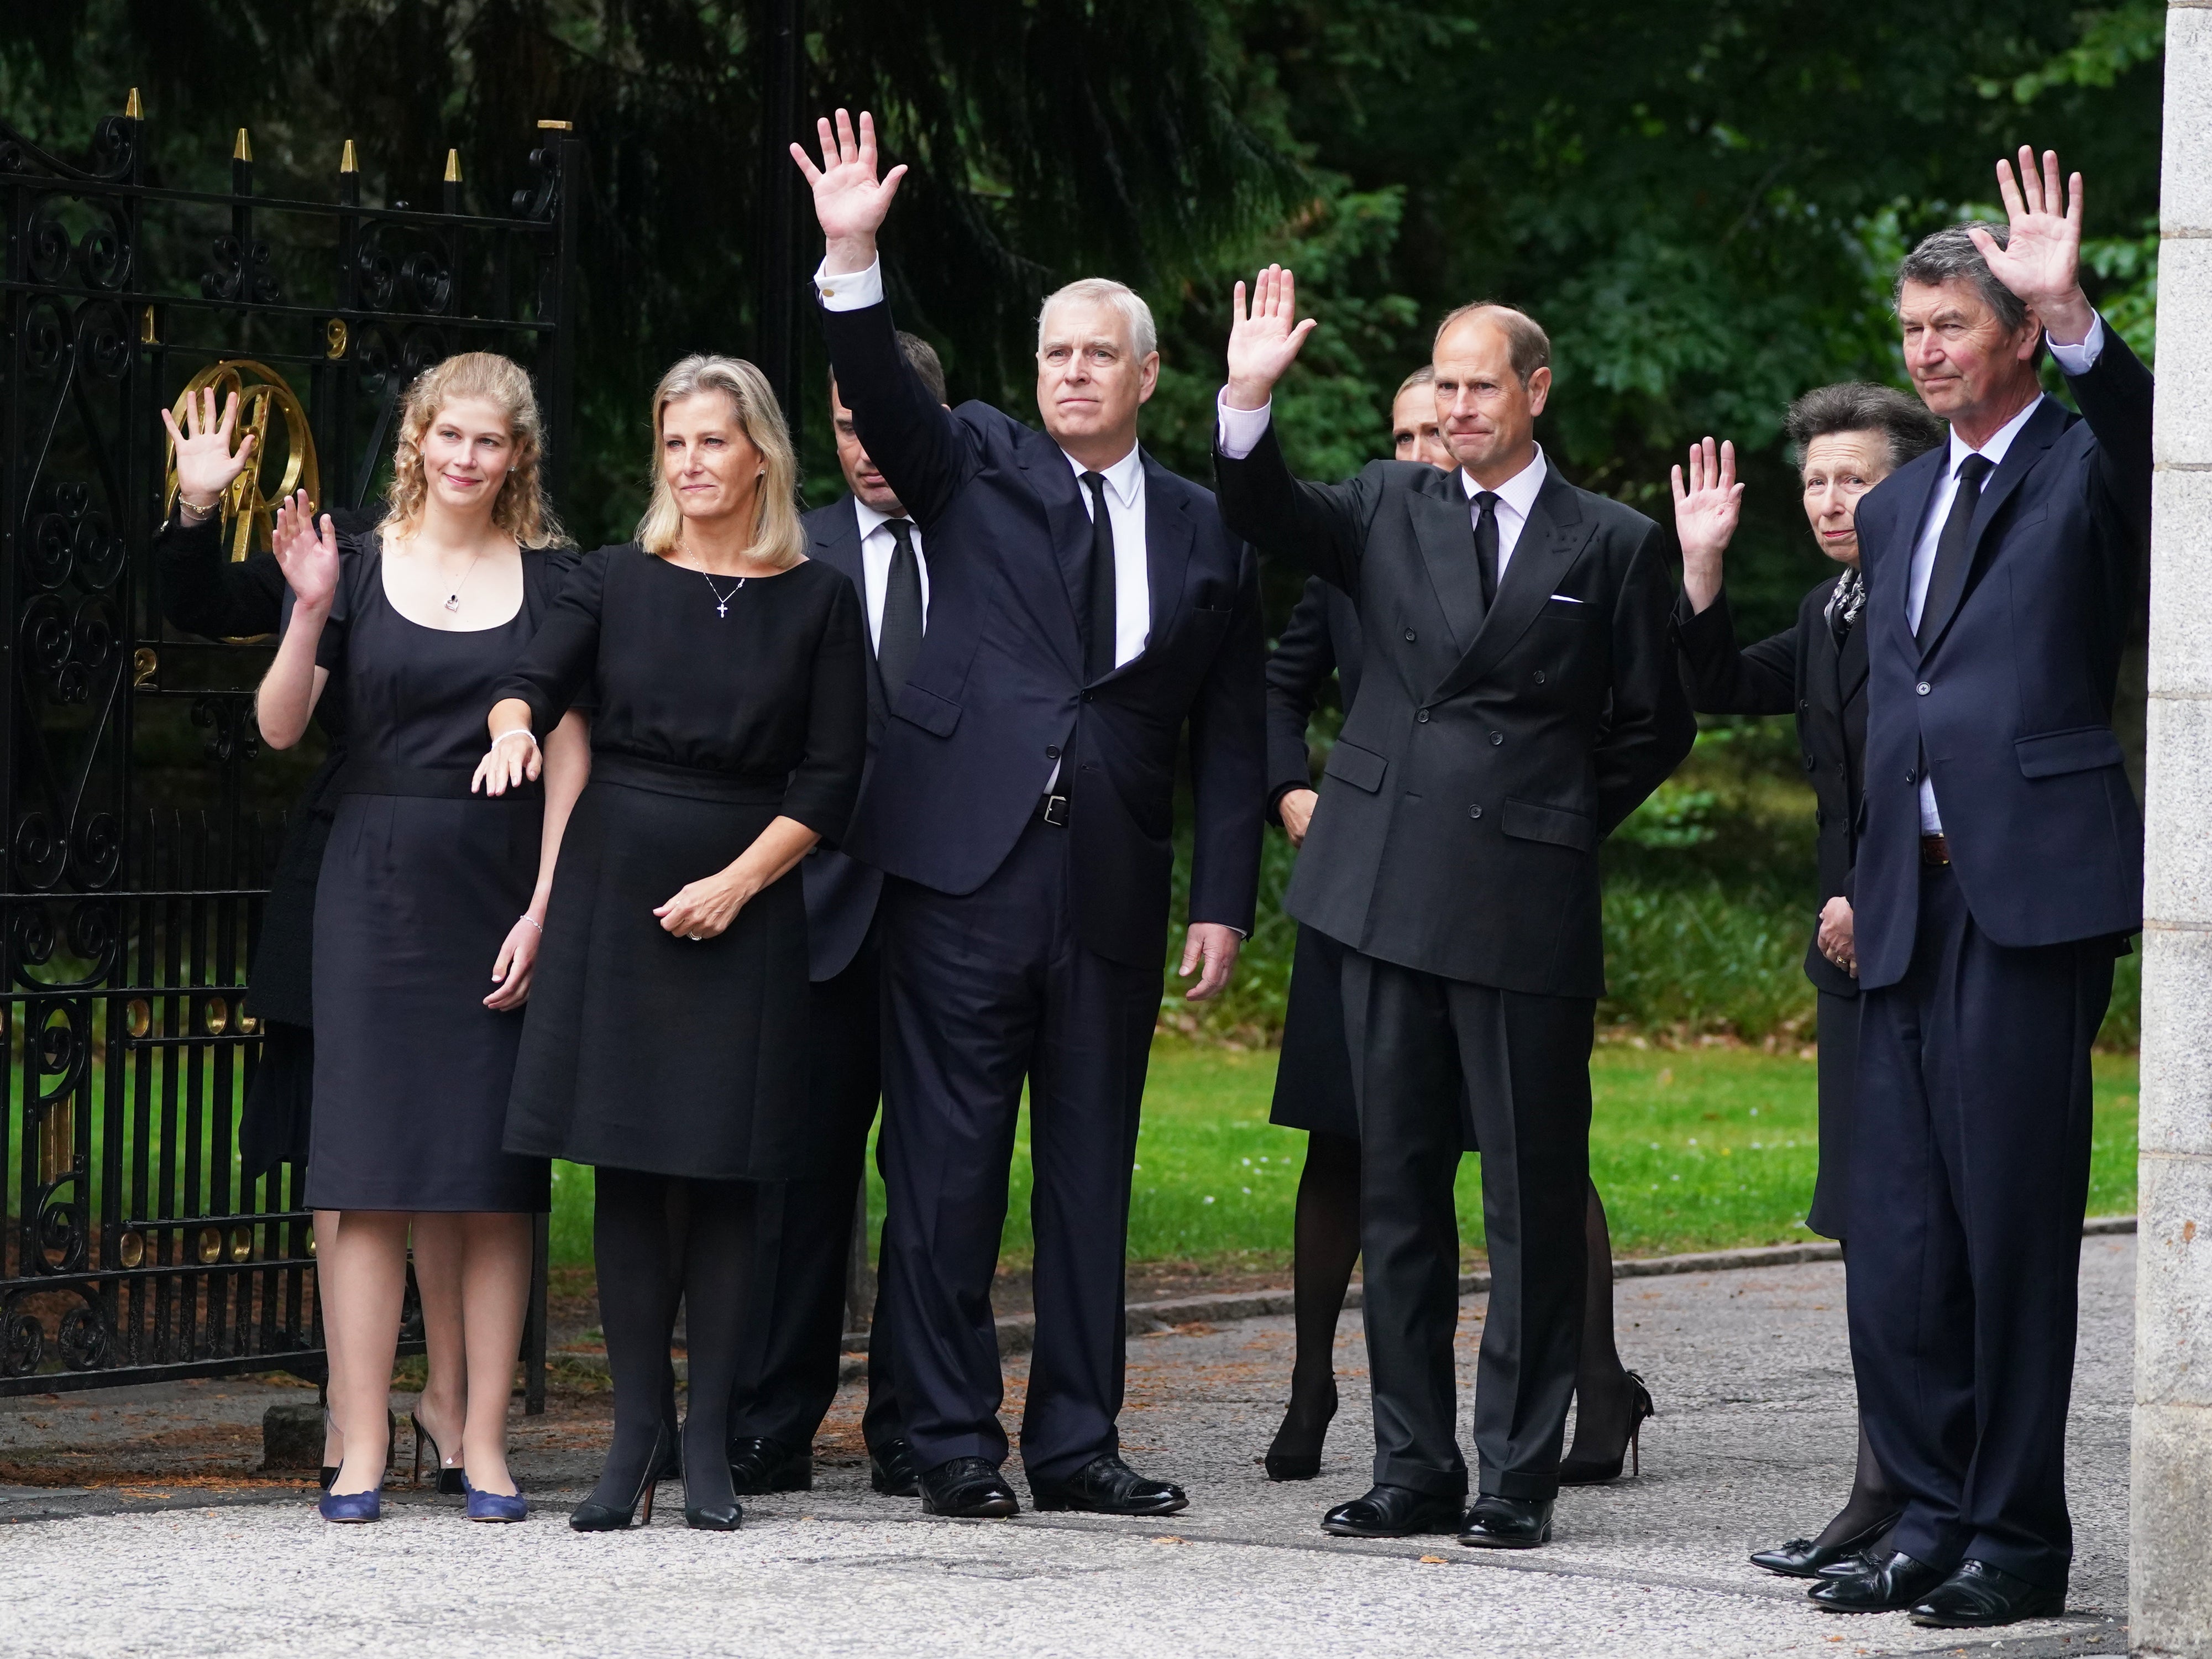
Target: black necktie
{"points": [[1946, 579], [898, 641], [1098, 642], [1486, 544]]}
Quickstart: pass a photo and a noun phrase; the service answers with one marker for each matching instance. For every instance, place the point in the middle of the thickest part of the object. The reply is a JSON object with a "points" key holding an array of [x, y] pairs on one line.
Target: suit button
{"points": [[1539, 676], [1086, 696], [1052, 752], [1923, 688], [1497, 738], [1912, 776], [1474, 811], [1409, 636], [1809, 762], [1804, 705], [1422, 716]]}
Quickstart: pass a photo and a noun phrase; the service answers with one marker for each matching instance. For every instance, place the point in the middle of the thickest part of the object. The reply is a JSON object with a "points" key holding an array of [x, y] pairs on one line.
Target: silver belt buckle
{"points": [[1056, 811]]}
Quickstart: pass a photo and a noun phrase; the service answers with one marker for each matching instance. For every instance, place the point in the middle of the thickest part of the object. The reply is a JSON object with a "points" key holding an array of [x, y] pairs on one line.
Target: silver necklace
{"points": [[454, 599], [721, 599]]}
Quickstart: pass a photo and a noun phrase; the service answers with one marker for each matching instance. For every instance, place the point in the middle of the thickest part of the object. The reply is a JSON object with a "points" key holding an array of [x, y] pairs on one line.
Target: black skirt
{"points": [[645, 1051]]}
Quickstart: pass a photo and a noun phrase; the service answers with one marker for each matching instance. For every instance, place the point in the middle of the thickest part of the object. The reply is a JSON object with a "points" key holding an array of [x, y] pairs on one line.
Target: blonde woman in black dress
{"points": [[667, 1037], [429, 902]]}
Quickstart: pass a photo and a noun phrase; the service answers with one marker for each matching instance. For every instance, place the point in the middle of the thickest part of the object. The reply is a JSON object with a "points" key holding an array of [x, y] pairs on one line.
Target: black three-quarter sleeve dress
{"points": [[421, 882], [717, 711]]}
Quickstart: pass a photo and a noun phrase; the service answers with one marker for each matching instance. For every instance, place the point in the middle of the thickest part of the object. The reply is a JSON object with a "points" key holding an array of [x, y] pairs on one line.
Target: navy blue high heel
{"points": [[351, 1507], [494, 1505]]}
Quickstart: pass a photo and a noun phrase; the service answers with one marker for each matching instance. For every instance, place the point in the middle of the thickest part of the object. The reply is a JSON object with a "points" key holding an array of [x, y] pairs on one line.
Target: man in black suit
{"points": [[1999, 874], [806, 1227], [1086, 605], [1520, 699]]}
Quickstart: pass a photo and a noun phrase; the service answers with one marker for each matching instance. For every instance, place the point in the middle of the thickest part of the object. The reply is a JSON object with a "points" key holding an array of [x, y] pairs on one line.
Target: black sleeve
{"points": [[827, 781], [203, 591], [556, 668], [1649, 726], [1228, 766], [1303, 659], [1758, 679], [924, 451], [2116, 397], [1318, 527]]}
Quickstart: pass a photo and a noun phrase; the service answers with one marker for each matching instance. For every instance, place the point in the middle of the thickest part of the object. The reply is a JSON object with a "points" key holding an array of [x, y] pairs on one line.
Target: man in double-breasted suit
{"points": [[1520, 698], [1086, 608], [2000, 872]]}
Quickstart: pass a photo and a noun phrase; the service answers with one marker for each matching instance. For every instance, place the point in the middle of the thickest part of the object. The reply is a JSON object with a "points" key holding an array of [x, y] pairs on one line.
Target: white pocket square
{"points": [[1569, 599]]}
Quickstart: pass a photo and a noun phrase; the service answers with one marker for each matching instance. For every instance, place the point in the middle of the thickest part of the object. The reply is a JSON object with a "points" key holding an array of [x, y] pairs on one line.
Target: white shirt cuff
{"points": [[851, 290], [2080, 359], [1241, 429]]}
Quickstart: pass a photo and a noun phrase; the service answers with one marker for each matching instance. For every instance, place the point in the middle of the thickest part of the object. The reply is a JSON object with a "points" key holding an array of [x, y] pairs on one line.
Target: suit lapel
{"points": [[1850, 662], [1445, 533], [1551, 542], [1894, 601], [1169, 536], [1068, 522], [836, 543], [2042, 429]]}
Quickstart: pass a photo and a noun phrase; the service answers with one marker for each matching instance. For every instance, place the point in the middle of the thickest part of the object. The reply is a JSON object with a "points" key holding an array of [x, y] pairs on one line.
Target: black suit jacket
{"points": [[2011, 706], [999, 695], [1800, 671], [1488, 753], [841, 891], [1321, 638]]}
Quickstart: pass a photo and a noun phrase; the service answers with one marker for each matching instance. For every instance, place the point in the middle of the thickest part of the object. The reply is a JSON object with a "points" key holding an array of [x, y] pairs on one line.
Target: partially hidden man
{"points": [[1085, 605], [1520, 699]]}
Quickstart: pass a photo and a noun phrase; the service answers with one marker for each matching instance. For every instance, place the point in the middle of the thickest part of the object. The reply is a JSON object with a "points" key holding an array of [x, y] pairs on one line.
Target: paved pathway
{"points": [[1754, 1444]]}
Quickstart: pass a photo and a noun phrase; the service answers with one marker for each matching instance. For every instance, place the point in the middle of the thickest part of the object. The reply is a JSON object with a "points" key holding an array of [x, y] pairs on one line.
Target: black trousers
{"points": [[1419, 1045], [1969, 1178], [1838, 1033], [795, 1317], [981, 992]]}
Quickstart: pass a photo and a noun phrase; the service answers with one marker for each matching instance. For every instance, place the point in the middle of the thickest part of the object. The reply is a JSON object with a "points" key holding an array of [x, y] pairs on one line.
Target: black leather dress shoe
{"points": [[1393, 1512], [967, 1486], [1507, 1523], [891, 1471], [1106, 1486], [1895, 1581], [1979, 1595], [758, 1465], [1801, 1558]]}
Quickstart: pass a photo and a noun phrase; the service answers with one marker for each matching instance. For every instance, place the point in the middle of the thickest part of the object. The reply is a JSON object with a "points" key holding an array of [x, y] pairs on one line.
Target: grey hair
{"points": [[1144, 335], [1949, 254], [1857, 406]]}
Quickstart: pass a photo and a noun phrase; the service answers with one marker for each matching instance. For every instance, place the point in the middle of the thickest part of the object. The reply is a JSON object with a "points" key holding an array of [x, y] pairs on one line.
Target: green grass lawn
{"points": [[1694, 1149]]}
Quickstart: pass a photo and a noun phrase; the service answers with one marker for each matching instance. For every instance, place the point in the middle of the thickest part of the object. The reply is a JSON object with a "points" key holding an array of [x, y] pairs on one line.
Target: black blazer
{"points": [[1321, 637], [1487, 754], [1800, 671], [998, 694], [841, 891], [2010, 707]]}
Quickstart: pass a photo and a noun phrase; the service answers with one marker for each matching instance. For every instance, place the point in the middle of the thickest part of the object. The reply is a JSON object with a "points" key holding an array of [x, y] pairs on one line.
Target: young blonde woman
{"points": [[430, 903], [667, 1037]]}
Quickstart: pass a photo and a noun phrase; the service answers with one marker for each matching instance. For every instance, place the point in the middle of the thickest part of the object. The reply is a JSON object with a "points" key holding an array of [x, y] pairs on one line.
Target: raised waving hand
{"points": [[2041, 260], [307, 553], [205, 464], [1705, 514], [1263, 339], [850, 202]]}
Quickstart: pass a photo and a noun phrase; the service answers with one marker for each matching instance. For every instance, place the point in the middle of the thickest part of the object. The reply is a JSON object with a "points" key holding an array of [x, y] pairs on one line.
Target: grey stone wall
{"points": [[2170, 1542]]}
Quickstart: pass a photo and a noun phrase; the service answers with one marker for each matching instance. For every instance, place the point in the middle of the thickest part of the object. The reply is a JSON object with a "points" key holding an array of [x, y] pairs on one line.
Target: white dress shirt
{"points": [[877, 546], [1243, 428], [2073, 360]]}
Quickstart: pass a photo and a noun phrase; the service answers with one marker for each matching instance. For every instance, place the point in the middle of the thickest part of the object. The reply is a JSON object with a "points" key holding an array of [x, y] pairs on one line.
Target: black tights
{"points": [[657, 1239], [1871, 1498]]}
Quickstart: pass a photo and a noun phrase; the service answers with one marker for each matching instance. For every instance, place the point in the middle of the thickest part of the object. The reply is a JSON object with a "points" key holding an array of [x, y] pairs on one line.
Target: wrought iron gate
{"points": [[141, 818]]}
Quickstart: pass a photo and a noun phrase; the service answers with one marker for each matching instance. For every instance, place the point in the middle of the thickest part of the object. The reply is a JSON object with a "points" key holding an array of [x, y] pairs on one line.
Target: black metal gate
{"points": [[141, 818]]}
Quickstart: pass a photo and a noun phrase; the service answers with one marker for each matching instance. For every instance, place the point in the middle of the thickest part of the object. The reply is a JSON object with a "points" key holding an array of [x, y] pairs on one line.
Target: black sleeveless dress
{"points": [[420, 884]]}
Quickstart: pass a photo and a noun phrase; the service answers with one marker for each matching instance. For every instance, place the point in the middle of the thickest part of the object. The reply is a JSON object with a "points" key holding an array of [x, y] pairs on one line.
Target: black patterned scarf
{"points": [[1846, 602]]}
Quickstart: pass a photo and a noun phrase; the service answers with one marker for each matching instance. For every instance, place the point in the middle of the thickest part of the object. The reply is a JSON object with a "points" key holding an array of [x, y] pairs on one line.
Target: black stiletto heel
{"points": [[450, 1482], [1595, 1471], [606, 1517]]}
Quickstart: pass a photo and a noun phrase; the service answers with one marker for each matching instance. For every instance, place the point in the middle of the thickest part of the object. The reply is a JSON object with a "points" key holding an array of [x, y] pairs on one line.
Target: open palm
{"points": [[1264, 339], [306, 552], [849, 200], [1707, 507], [2041, 260]]}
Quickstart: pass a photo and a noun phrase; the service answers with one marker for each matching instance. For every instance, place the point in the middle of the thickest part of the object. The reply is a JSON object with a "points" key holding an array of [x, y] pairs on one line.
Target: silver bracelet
{"points": [[533, 921], [522, 731]]}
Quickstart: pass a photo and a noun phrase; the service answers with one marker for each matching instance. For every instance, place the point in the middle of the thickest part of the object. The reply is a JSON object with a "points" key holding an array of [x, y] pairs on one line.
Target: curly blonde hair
{"points": [[778, 541], [521, 508]]}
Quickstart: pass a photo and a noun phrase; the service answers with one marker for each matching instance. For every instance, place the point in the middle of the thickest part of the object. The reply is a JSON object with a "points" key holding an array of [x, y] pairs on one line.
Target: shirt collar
{"points": [[871, 520], [1122, 478], [1518, 492], [1993, 452]]}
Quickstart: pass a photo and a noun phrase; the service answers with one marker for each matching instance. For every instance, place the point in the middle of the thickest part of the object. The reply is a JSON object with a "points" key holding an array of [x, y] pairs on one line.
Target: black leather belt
{"points": [[1934, 849], [1052, 810]]}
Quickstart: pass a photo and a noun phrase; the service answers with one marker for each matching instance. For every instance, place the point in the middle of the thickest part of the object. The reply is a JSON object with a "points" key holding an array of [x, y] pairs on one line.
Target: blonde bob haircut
{"points": [[777, 540], [521, 508]]}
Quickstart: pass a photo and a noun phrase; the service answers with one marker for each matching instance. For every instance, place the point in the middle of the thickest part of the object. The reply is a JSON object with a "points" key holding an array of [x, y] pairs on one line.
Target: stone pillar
{"points": [[2170, 1531]]}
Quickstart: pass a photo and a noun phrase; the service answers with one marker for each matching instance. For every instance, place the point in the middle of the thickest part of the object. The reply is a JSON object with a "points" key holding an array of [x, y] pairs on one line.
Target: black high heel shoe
{"points": [[709, 1517], [1295, 1454], [329, 1470], [450, 1482], [1588, 1471], [606, 1517]]}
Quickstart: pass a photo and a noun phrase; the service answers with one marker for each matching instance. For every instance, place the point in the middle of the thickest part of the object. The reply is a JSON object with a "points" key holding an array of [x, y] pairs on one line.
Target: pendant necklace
{"points": [[721, 599], [454, 599]]}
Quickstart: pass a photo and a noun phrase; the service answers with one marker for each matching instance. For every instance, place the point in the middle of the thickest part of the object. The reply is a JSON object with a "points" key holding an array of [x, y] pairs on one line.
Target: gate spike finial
{"points": [[132, 109], [453, 167], [243, 149], [348, 162]]}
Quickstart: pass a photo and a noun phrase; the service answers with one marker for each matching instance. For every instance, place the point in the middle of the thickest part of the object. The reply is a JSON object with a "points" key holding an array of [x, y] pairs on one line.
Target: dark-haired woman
{"points": [[667, 1038], [1849, 438]]}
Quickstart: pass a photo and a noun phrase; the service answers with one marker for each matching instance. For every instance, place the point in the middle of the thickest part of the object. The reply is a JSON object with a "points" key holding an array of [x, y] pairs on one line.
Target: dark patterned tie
{"points": [[898, 641], [1946, 579], [1098, 641], [1486, 544]]}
